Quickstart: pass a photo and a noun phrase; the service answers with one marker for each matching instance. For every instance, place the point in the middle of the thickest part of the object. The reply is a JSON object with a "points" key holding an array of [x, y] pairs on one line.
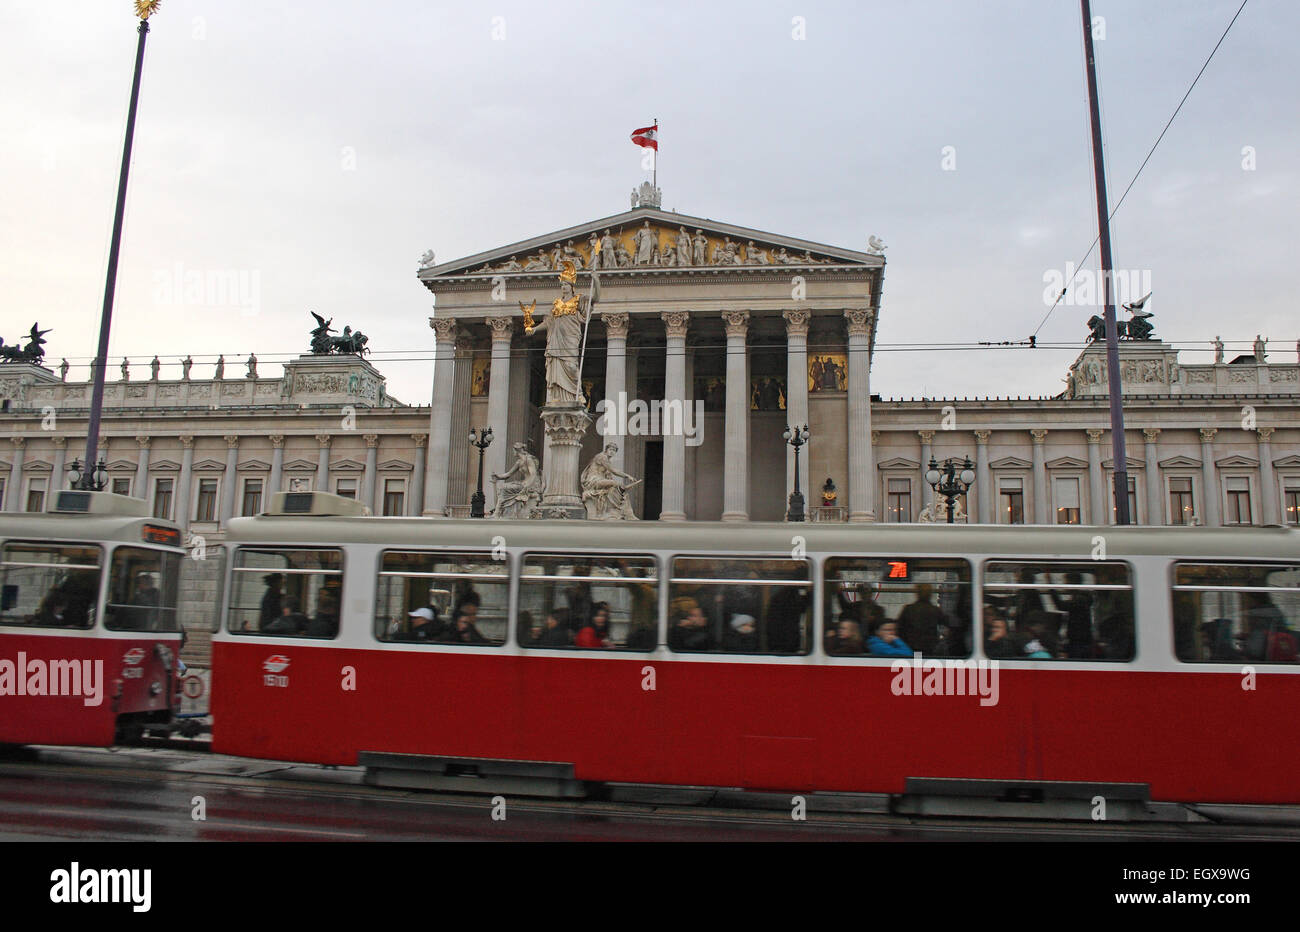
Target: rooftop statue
{"points": [[322, 344], [33, 352]]}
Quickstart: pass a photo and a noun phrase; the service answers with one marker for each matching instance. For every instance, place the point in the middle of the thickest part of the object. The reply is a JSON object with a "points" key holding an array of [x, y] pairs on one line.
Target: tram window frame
{"points": [[385, 628], [620, 616], [1239, 629], [912, 566], [8, 595], [680, 604], [262, 572], [143, 616], [1051, 567]]}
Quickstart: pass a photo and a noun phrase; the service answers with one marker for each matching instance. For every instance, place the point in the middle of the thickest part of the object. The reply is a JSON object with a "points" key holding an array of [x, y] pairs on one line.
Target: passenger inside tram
{"points": [[597, 633], [690, 629], [927, 600], [885, 642], [845, 640]]}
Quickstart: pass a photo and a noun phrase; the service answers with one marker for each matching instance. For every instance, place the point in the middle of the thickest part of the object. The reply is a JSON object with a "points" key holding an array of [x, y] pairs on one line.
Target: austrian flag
{"points": [[647, 137]]}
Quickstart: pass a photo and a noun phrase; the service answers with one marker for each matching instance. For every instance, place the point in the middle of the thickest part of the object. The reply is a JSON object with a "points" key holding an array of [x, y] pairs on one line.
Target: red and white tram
{"points": [[89, 634], [733, 656]]}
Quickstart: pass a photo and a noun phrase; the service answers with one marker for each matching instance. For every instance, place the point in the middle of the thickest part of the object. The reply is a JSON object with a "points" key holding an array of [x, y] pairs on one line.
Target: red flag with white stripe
{"points": [[647, 137]]}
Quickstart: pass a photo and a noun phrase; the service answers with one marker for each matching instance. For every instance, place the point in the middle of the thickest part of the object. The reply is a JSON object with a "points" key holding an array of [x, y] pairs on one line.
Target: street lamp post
{"points": [[946, 481], [481, 438], [796, 437], [86, 478], [144, 9]]}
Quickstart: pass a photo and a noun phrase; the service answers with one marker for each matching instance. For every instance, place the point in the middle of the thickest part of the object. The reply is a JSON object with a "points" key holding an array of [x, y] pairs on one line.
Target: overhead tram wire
{"points": [[1079, 265]]}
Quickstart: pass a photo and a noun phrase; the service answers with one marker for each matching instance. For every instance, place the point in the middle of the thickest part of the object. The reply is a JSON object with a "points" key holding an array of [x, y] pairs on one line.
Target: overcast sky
{"points": [[317, 149]]}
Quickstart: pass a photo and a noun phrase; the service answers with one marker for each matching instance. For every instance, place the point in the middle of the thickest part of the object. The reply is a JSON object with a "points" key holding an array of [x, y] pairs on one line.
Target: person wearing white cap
{"points": [[424, 626]]}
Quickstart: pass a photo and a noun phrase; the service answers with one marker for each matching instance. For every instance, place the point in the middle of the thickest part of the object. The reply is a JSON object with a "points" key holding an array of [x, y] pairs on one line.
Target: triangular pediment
{"points": [[898, 462], [725, 246], [1010, 462], [164, 465], [391, 465], [1291, 460], [346, 466], [1066, 462], [209, 464], [37, 465], [1236, 459], [1132, 463], [1179, 461], [255, 465], [300, 466], [116, 465]]}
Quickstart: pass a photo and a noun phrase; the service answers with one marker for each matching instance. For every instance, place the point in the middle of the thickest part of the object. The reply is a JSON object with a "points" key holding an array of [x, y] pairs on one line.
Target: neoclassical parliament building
{"points": [[705, 341]]}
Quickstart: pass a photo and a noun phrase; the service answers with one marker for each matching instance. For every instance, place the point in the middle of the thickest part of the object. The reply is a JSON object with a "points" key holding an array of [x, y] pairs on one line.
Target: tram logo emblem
{"points": [[275, 663], [133, 656]]}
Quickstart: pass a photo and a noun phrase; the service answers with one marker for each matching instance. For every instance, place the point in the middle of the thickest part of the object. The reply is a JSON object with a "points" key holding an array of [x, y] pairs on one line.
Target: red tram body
{"points": [[89, 638], [1189, 724]]}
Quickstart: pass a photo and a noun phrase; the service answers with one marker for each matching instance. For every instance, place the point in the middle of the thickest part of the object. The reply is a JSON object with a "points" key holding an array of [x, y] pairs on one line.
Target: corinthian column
{"points": [[1040, 477], [498, 402], [14, 488], [1209, 479], [323, 463], [231, 478], [735, 495], [862, 488], [927, 451], [983, 477], [415, 496], [435, 480], [1155, 494], [142, 468], [274, 481], [1267, 481], [616, 394], [796, 395], [1096, 483], [676, 324], [182, 516], [368, 477]]}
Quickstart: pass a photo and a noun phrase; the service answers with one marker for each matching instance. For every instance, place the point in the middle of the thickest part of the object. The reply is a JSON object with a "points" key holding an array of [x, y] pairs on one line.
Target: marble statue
{"points": [[605, 487], [252, 366], [698, 245], [624, 258], [683, 247], [564, 326], [669, 255], [126, 370], [519, 488], [185, 367], [937, 512], [63, 371], [1218, 349], [875, 246], [153, 369], [427, 261], [573, 254], [608, 251], [755, 256], [221, 368], [1260, 355], [512, 265], [537, 263], [646, 242], [593, 247]]}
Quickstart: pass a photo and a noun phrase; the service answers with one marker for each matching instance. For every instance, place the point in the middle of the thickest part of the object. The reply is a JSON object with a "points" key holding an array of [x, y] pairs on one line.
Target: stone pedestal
{"points": [[1147, 367], [341, 380], [565, 426], [17, 377]]}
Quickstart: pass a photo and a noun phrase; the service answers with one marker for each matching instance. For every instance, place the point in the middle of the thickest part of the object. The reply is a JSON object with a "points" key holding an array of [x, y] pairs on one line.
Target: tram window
{"points": [[1058, 610], [49, 586], [739, 606], [1237, 612], [894, 607], [445, 598], [292, 592], [142, 590], [585, 601]]}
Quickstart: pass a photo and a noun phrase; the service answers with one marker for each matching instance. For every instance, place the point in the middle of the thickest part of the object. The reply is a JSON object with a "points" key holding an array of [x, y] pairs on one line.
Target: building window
{"points": [[394, 496], [346, 488], [1067, 501], [1238, 489], [899, 499], [252, 497], [1132, 501], [162, 498], [1181, 506], [122, 486], [1011, 501], [1291, 503], [36, 495], [2, 493], [206, 505]]}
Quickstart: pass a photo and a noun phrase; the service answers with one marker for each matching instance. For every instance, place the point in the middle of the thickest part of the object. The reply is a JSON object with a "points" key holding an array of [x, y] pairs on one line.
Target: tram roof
{"points": [[772, 537], [77, 527]]}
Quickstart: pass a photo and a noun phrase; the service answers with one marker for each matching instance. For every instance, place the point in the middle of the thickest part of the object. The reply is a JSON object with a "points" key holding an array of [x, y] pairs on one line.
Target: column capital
{"points": [[982, 437], [1207, 434], [796, 322], [232, 441], [503, 328], [875, 437], [1265, 433], [277, 440], [617, 324], [20, 442], [420, 439], [324, 439], [143, 441], [63, 441], [1039, 435], [927, 436], [1151, 433], [859, 321], [676, 323], [736, 322], [1094, 434], [444, 328], [187, 441], [372, 440]]}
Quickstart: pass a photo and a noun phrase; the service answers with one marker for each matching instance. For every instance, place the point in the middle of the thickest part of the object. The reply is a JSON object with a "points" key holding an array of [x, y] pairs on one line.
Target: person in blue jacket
{"points": [[885, 642]]}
